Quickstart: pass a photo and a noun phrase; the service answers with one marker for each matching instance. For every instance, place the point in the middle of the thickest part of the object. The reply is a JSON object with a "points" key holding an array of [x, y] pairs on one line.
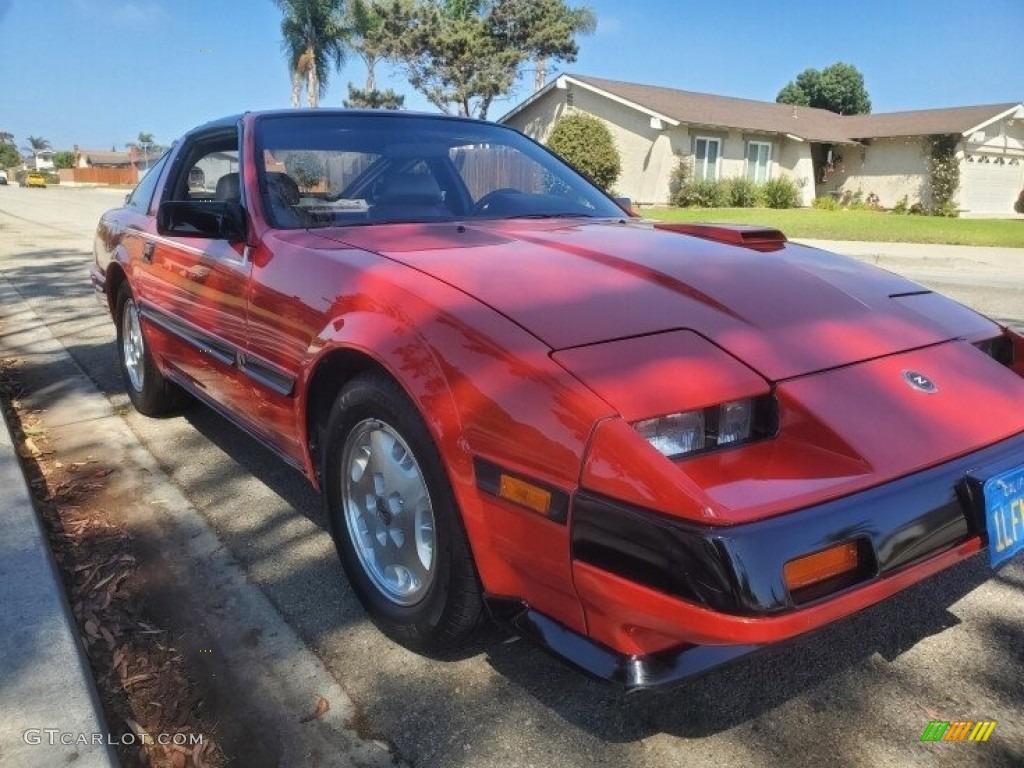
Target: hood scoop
{"points": [[756, 238]]}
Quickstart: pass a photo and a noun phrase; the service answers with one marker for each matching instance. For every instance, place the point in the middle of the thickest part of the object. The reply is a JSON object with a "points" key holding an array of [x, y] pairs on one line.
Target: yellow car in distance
{"points": [[35, 180]]}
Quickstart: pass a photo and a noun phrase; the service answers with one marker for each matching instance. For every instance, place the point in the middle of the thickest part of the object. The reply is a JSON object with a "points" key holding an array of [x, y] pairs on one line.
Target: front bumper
{"points": [[665, 599]]}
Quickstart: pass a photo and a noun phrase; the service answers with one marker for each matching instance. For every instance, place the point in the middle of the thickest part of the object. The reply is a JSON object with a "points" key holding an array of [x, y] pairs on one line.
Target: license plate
{"points": [[1004, 513]]}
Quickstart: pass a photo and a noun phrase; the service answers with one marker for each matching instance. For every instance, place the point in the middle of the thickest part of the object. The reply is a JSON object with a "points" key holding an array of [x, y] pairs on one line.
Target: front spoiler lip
{"points": [[634, 673], [674, 665]]}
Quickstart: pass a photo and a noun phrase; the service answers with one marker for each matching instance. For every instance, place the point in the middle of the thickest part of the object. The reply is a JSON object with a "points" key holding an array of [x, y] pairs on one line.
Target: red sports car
{"points": [[652, 448]]}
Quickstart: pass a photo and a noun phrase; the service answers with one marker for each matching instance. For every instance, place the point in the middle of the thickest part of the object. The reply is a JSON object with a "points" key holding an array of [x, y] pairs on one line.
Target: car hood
{"points": [[785, 313]]}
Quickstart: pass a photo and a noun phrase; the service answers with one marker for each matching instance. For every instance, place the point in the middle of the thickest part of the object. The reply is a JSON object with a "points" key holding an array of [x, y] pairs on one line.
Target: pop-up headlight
{"points": [[734, 423]]}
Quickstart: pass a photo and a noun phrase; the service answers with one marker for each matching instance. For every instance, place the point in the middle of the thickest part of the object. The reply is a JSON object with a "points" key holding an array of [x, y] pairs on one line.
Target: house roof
{"points": [[925, 122], [677, 106], [725, 111], [99, 157]]}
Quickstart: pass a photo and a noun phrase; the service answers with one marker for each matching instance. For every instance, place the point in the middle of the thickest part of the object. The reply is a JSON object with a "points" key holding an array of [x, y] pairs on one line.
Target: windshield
{"points": [[337, 169]]}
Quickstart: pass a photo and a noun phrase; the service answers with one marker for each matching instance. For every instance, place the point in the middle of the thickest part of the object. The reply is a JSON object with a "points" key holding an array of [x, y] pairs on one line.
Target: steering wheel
{"points": [[484, 202]]}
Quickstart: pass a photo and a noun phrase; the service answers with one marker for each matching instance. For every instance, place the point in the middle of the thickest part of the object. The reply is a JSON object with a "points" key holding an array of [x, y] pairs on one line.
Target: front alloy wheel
{"points": [[388, 512], [394, 518]]}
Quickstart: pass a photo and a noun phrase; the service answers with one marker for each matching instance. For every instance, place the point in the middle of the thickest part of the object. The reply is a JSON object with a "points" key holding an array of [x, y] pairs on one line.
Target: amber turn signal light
{"points": [[525, 494], [826, 564]]}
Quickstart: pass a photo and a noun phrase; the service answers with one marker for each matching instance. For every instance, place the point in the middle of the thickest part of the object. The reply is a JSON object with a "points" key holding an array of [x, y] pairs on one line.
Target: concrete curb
{"points": [[45, 681]]}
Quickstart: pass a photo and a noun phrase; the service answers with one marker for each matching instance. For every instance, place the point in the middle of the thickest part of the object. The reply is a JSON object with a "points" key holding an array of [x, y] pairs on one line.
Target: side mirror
{"points": [[216, 219], [625, 204]]}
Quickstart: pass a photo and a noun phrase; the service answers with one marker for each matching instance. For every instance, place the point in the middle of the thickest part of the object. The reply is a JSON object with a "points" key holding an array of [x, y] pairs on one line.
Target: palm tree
{"points": [[6, 138], [145, 142], [36, 144], [313, 37]]}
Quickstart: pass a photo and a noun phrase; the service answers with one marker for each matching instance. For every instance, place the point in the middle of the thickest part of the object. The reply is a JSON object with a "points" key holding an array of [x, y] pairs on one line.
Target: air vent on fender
{"points": [[745, 235]]}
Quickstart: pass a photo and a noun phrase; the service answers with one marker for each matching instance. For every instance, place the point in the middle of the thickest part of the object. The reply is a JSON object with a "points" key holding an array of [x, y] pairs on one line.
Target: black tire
{"points": [[450, 607], [154, 395]]}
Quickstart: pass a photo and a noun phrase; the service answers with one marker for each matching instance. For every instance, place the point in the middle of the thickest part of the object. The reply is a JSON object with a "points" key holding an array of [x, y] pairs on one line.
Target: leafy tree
{"points": [[463, 54], [9, 155], [375, 99], [63, 159], [587, 145], [837, 88], [369, 38], [6, 138], [313, 38]]}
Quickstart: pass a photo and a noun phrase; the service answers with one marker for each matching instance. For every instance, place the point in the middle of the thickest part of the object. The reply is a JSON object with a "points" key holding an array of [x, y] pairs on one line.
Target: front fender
{"points": [[486, 390]]}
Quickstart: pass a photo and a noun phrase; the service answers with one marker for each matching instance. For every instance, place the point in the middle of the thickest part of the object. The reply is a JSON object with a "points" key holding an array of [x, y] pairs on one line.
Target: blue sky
{"points": [[97, 72]]}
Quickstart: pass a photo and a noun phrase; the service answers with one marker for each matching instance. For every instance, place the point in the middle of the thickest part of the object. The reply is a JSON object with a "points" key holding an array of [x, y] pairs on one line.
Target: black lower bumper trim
{"points": [[739, 569], [633, 672]]}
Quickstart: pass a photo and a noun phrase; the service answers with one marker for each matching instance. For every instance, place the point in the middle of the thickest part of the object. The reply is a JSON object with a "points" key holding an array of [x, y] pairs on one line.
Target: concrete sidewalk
{"points": [[45, 682]]}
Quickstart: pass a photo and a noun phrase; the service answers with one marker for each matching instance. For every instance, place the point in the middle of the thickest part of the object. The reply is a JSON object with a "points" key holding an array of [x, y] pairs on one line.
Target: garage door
{"points": [[990, 183]]}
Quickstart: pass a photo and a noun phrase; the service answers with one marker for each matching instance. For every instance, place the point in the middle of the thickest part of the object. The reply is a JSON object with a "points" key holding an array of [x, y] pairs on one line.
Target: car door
{"points": [[193, 295]]}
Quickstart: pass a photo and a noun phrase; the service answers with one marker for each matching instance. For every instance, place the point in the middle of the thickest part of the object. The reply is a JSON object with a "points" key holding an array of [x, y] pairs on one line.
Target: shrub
{"points": [[741, 192], [826, 203], [703, 193], [680, 177], [943, 173], [307, 168], [587, 145], [1019, 205], [780, 192], [902, 207]]}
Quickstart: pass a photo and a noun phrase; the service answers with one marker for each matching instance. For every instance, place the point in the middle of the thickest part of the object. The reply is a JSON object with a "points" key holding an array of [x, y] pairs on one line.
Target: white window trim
{"points": [[718, 155], [768, 161]]}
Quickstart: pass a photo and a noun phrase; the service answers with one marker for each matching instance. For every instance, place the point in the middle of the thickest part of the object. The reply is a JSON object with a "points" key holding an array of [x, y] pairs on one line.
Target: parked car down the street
{"points": [[3, 178], [652, 448], [33, 179]]}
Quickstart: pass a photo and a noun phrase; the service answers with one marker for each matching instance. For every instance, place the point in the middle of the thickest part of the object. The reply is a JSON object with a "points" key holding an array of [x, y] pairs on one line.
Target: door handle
{"points": [[147, 252]]}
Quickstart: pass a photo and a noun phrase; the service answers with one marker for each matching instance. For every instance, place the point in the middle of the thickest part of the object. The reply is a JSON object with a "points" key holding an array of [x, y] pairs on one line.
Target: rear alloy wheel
{"points": [[149, 391], [394, 518]]}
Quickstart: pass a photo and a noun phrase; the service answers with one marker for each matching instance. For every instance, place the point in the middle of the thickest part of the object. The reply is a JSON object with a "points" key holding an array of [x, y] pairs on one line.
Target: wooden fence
{"points": [[122, 176]]}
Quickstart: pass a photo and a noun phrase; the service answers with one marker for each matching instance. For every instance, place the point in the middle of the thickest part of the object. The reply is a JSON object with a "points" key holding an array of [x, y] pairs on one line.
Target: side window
{"points": [[207, 168], [214, 175], [142, 195]]}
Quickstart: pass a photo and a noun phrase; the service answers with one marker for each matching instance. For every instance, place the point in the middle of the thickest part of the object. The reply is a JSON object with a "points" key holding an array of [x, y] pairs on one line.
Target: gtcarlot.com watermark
{"points": [[54, 736]]}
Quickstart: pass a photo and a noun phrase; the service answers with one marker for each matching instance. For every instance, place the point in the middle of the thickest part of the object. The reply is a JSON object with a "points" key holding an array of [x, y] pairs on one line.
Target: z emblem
{"points": [[920, 382]]}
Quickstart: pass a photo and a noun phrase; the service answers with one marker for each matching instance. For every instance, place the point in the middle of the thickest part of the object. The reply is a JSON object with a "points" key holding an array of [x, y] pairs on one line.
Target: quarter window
{"points": [[142, 195], [707, 154], [759, 159]]}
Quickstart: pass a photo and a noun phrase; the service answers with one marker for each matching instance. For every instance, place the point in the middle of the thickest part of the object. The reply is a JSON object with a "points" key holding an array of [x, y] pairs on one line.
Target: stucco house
{"points": [[824, 153], [98, 158]]}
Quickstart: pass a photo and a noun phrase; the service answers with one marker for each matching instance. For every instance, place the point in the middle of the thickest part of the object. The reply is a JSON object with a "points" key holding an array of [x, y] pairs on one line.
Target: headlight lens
{"points": [[676, 434], [731, 423]]}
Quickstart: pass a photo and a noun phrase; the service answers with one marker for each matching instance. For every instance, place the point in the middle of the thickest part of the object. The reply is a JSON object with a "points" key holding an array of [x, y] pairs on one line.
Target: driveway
{"points": [[859, 693]]}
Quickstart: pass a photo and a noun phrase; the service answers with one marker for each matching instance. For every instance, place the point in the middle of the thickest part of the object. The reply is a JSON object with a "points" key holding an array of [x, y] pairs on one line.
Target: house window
{"points": [[707, 154], [759, 160]]}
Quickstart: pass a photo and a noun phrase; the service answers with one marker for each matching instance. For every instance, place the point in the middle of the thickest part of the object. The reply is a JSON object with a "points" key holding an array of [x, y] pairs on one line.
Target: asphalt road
{"points": [[859, 693]]}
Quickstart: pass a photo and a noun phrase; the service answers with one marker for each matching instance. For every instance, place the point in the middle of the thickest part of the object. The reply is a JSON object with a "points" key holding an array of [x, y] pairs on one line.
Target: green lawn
{"points": [[858, 225]]}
